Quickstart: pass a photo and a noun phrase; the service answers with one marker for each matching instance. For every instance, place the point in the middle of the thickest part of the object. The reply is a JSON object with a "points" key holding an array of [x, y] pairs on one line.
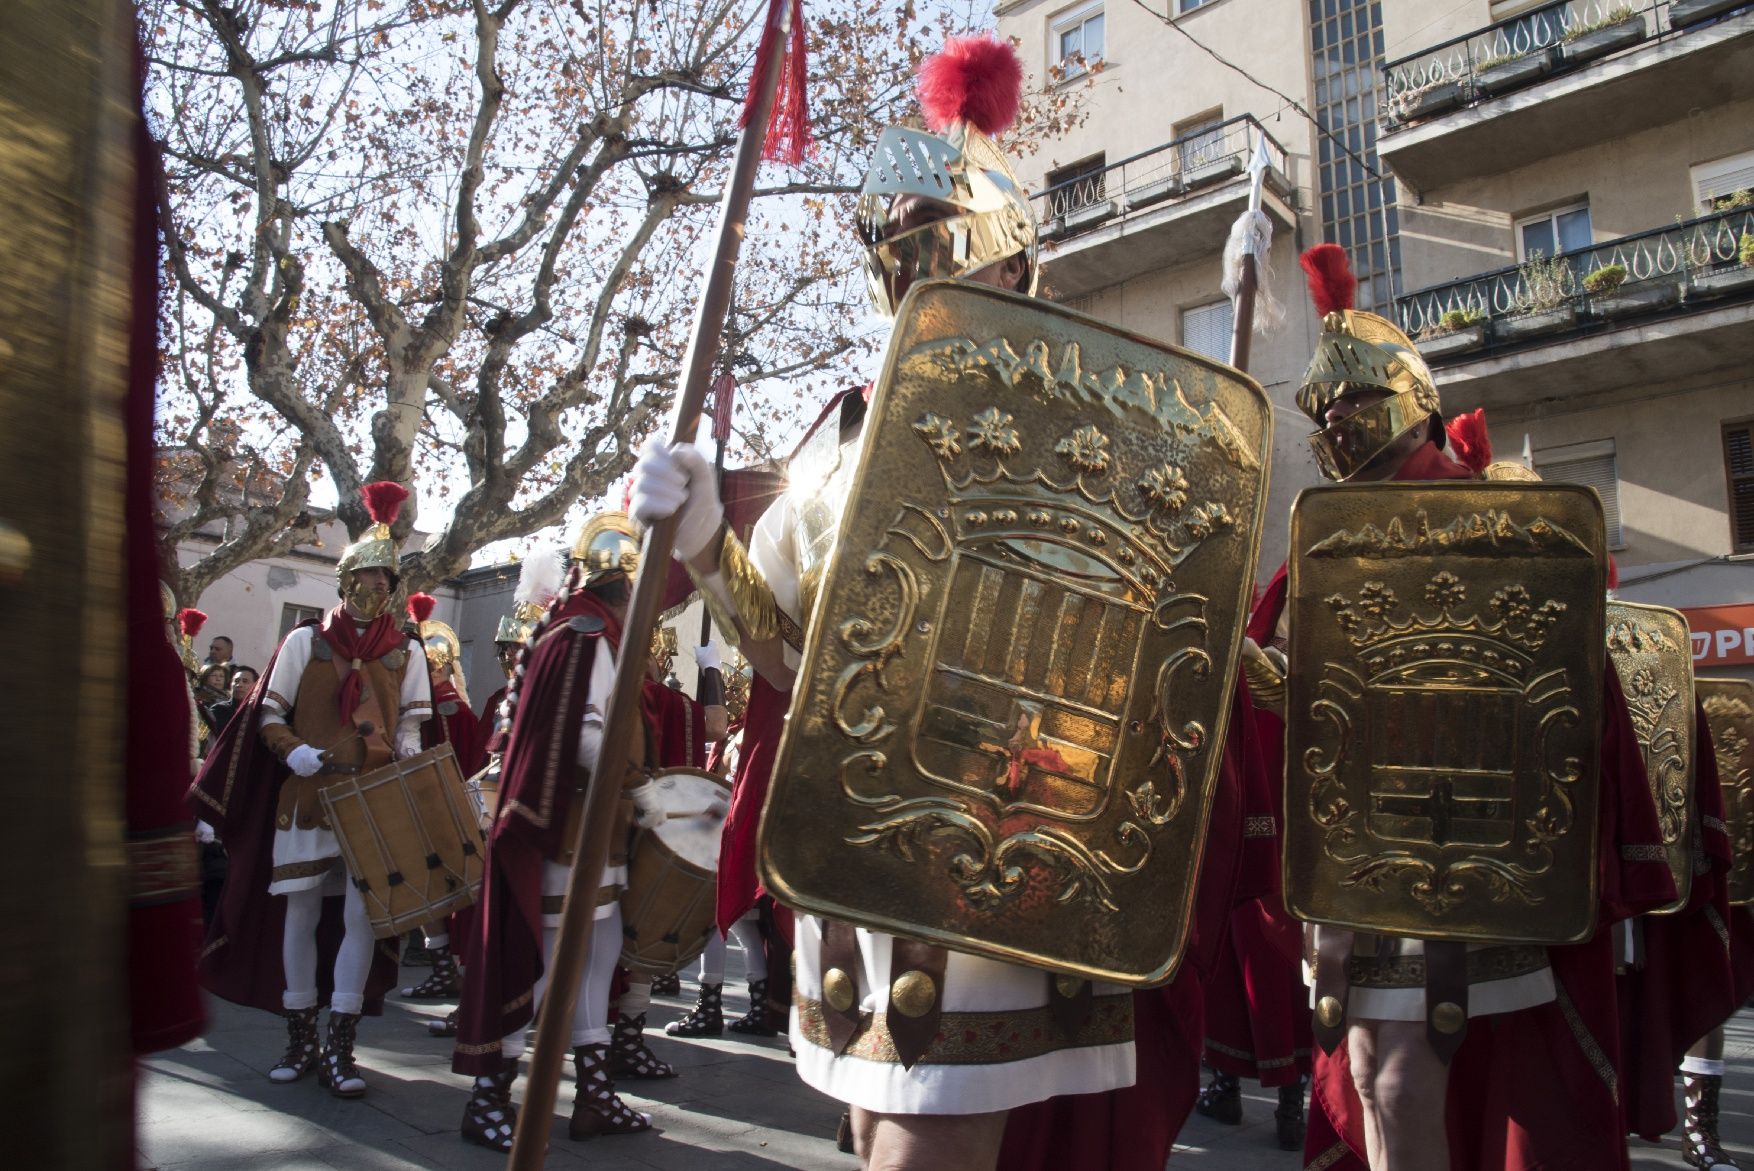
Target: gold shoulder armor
{"points": [[1510, 469], [753, 613]]}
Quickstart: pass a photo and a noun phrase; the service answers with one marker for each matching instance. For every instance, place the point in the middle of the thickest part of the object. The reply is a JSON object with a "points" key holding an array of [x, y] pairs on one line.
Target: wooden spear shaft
{"points": [[622, 716]]}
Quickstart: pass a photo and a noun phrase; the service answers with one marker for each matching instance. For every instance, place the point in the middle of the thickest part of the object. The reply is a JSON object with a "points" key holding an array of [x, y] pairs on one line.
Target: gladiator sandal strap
{"points": [[489, 1118], [597, 1109], [442, 983], [336, 1071], [705, 1019], [759, 1021], [629, 1054], [301, 1046]]}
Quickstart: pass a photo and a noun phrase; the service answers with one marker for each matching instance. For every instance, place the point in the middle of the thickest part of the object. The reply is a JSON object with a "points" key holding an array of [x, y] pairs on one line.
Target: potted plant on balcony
{"points": [[1503, 72], [1685, 13], [1612, 298], [1423, 101], [1619, 28], [1456, 332], [1713, 277], [1545, 289]]}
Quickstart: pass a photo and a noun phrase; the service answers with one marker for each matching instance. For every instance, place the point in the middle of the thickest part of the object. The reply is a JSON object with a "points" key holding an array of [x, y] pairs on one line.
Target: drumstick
{"points": [[363, 728]]}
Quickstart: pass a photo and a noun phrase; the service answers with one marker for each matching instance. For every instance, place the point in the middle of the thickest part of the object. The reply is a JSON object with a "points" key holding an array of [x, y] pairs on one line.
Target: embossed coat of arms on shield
{"points": [[1443, 714], [1729, 713], [1008, 724]]}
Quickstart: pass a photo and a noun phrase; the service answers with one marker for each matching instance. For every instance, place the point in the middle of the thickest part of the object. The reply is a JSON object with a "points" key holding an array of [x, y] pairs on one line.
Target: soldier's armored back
{"points": [[1007, 727], [1443, 715]]}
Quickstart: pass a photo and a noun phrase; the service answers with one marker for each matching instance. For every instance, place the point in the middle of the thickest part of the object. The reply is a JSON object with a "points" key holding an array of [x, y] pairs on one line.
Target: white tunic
{"points": [[302, 848]]}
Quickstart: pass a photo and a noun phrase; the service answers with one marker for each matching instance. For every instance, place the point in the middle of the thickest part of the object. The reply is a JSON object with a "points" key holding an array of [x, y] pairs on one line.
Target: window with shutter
{"points": [[1716, 182], [1739, 472], [1206, 329], [1592, 465]]}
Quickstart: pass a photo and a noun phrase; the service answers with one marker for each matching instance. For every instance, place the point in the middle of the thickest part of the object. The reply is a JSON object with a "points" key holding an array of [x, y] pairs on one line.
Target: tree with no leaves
{"points": [[459, 242]]}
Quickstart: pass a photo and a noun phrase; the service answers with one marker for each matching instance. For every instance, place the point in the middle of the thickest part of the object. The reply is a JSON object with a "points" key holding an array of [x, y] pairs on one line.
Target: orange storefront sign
{"points": [[1723, 636]]}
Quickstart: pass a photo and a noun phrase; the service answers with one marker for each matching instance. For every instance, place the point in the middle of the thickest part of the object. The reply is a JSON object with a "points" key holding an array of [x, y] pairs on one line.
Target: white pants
{"points": [[590, 1012], [298, 950]]}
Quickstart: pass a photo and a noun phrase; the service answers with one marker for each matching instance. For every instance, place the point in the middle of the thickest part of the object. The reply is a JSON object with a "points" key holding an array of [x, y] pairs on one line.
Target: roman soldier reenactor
{"points": [[1396, 1056], [342, 696], [555, 715]]}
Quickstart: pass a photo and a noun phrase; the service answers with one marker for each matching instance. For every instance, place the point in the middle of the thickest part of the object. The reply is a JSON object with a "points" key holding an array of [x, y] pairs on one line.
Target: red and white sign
{"points": [[1723, 636]]}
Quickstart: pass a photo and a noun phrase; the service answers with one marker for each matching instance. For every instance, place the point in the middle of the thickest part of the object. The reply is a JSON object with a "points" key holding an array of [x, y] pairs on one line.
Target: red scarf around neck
{"points": [[356, 646]]}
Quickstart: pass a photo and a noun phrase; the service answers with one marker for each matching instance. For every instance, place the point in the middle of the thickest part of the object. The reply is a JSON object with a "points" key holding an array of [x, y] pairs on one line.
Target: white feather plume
{"points": [[1252, 235], [540, 577]]}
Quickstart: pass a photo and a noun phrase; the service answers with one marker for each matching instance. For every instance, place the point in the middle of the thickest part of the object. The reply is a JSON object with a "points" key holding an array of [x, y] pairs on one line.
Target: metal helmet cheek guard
{"points": [[375, 550], [965, 170], [1359, 351], [970, 94]]}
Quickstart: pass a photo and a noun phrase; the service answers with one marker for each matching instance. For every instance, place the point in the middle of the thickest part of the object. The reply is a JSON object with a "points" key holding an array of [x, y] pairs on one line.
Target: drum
{"points": [[667, 910], [410, 839]]}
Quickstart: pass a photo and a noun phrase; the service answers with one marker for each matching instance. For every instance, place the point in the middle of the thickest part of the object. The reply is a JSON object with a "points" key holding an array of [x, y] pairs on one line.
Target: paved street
{"points": [[737, 1107]]}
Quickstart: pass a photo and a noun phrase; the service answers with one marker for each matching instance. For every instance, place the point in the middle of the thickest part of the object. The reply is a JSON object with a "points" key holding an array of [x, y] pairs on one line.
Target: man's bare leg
{"points": [[1403, 1088], [927, 1142]]}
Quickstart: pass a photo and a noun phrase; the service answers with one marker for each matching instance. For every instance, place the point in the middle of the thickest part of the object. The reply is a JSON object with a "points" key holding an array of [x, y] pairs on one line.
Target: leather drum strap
{"points": [[840, 983], [916, 997], [1333, 949], [1070, 1003], [1446, 996]]}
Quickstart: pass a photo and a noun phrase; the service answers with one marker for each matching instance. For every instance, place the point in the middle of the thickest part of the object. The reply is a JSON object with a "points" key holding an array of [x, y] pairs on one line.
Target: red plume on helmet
{"points": [[977, 80], [383, 500], [1468, 442], [1331, 283], [421, 606], [190, 621]]}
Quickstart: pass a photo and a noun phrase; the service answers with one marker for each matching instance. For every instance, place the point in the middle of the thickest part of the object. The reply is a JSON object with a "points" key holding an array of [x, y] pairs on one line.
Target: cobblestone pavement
{"points": [[738, 1106]]}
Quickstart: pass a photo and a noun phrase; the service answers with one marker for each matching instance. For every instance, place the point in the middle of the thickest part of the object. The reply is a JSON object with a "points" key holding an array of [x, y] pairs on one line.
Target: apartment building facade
{"points": [[1553, 198]]}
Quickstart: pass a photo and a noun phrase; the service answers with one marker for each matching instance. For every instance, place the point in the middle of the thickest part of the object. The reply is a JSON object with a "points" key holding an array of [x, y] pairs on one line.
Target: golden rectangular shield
{"points": [[1648, 646], [1007, 727], [1443, 710], [1729, 713]]}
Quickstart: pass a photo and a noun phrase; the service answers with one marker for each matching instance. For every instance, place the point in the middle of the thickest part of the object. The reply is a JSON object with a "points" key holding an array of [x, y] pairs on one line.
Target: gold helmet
{"points": [[442, 646], [607, 544], [969, 94], [1359, 351], [513, 629], [376, 549]]}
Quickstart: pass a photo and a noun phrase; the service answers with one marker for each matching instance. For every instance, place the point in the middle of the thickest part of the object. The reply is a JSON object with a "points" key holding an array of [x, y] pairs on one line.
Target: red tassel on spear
{"points": [[788, 125]]}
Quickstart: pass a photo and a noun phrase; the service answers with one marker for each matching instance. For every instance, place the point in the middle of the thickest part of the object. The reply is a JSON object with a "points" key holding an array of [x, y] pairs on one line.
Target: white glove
{"points": [[707, 657], [408, 742], [305, 761], [717, 810], [647, 812], [203, 832], [677, 481]]}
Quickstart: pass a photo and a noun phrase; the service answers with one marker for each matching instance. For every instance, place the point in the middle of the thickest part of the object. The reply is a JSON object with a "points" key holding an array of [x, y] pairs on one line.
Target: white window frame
{"points": [[1720, 177], [1065, 22], [1552, 213], [1208, 140], [1182, 327], [1555, 463]]}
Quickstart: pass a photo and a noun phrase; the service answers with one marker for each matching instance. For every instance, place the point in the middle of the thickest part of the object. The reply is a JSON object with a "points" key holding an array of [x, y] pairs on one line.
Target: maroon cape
{"points": [[1687, 985], [237, 792], [485, 725], [763, 721], [1132, 1129], [460, 729], [164, 915], [1534, 1088], [679, 727], [1257, 1006], [504, 951]]}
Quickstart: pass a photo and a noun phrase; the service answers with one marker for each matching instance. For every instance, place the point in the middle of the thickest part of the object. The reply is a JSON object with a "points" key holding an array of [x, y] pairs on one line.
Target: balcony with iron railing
{"points": [[1648, 309], [1563, 76], [1160, 208]]}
